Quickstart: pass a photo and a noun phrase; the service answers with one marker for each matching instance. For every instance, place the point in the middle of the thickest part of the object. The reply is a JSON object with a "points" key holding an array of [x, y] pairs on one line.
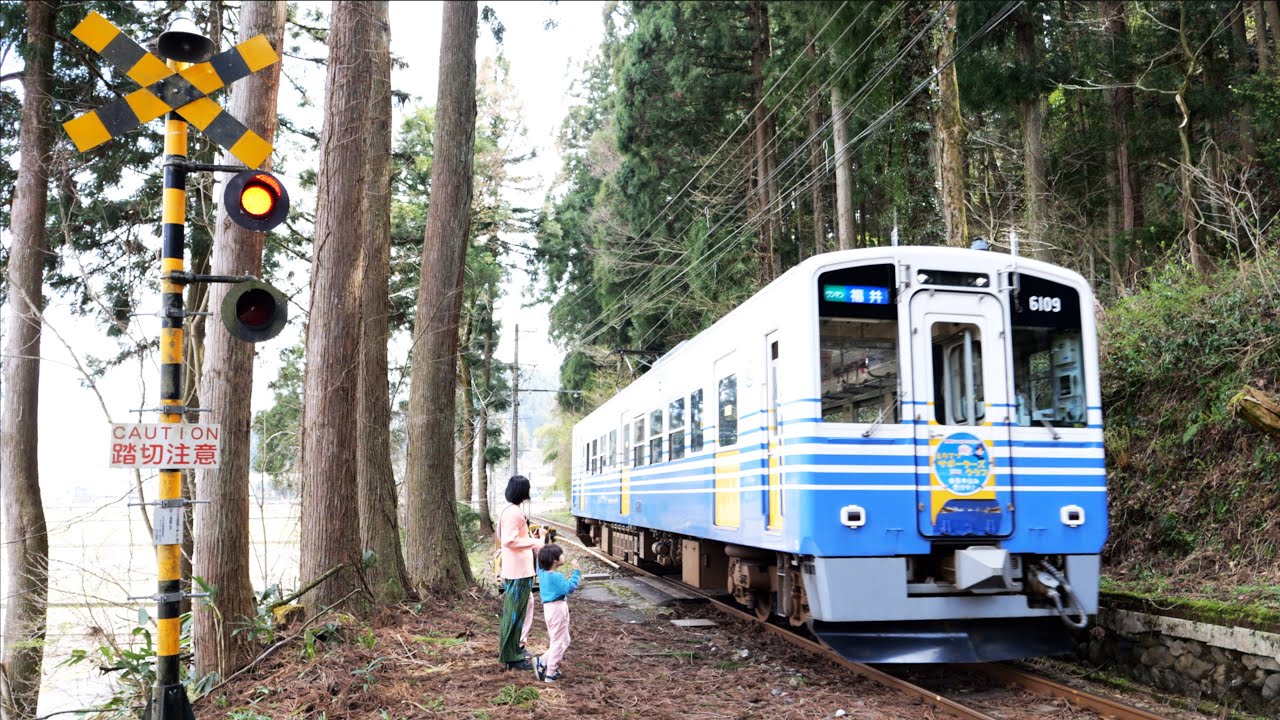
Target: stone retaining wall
{"points": [[1237, 667]]}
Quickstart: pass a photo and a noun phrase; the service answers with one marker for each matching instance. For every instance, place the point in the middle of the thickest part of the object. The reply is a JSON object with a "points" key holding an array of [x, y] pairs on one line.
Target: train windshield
{"points": [[858, 344], [1048, 367], [859, 370]]}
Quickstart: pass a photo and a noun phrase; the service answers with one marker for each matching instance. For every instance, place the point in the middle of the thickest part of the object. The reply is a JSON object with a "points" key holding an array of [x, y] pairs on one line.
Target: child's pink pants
{"points": [[557, 617]]}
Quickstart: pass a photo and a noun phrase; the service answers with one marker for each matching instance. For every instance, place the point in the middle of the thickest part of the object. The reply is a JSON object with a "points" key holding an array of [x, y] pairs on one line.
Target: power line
{"points": [[633, 302]]}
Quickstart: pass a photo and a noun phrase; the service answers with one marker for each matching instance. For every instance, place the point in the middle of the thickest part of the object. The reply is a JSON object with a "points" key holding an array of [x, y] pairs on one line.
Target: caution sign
{"points": [[168, 446]]}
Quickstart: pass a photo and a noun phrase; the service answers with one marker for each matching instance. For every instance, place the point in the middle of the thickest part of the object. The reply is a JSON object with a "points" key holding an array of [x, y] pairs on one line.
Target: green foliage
{"points": [[314, 637], [277, 448], [438, 640], [469, 524], [364, 675], [523, 697], [131, 664], [1183, 471]]}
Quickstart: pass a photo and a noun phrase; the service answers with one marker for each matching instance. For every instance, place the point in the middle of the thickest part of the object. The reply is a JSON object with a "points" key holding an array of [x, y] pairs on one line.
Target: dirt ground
{"points": [[627, 660]]}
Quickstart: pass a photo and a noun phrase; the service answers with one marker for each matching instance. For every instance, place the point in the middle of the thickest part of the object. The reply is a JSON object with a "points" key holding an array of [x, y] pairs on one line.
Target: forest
{"points": [[709, 147], [715, 145]]}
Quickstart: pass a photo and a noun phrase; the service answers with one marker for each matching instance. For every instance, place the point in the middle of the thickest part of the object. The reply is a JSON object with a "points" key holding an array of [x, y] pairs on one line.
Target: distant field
{"points": [[100, 555]]}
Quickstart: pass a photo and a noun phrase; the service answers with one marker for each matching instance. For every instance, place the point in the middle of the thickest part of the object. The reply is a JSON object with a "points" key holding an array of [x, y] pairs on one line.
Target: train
{"points": [[897, 448]]}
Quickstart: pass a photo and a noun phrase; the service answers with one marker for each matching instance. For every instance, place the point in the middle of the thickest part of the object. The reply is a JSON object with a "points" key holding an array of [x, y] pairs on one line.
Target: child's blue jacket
{"points": [[553, 585]]}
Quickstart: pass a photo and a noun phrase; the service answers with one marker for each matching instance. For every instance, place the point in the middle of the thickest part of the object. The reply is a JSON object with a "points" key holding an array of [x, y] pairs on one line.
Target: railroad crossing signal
{"points": [[254, 311], [165, 89], [256, 200]]}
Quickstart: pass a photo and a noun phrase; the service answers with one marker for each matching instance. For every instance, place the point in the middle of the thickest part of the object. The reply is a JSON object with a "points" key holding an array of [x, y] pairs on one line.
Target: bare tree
{"points": [[949, 124], [479, 453], [222, 525], [1035, 186], [766, 184], [330, 520], [815, 159], [375, 481], [1124, 261], [26, 541], [1260, 34], [435, 555], [844, 172]]}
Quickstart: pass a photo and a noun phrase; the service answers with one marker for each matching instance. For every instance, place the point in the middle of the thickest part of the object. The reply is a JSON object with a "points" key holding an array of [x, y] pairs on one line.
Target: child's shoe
{"points": [[551, 678], [540, 668]]}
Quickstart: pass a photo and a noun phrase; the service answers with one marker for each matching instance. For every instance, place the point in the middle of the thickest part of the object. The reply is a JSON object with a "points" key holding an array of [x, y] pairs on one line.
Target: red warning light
{"points": [[256, 200]]}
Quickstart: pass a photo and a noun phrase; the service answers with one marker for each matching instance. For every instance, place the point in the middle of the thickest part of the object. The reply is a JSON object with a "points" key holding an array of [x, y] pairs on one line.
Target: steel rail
{"points": [[1043, 686], [999, 672], [866, 671]]}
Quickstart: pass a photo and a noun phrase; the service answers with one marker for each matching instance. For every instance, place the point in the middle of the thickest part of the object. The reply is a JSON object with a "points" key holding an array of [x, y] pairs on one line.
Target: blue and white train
{"points": [[900, 448]]}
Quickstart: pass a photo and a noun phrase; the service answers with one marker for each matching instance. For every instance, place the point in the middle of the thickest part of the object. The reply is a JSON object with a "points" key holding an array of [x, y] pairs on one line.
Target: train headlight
{"points": [[1072, 515], [853, 516]]}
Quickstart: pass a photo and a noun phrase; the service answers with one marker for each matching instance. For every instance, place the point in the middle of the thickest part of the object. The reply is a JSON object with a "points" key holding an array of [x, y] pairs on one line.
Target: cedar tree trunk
{"points": [[330, 520], [26, 545], [435, 554]]}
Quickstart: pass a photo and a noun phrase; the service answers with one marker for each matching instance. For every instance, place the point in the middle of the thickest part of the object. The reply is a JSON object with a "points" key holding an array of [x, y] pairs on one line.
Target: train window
{"points": [[613, 448], [695, 421], [728, 423], [1048, 368], [859, 370], [595, 456], [638, 450], [656, 439], [951, 277], [626, 445], [958, 397], [675, 439]]}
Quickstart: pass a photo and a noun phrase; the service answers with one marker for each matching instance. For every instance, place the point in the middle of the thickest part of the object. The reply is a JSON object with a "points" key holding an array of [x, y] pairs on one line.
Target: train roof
{"points": [[911, 254]]}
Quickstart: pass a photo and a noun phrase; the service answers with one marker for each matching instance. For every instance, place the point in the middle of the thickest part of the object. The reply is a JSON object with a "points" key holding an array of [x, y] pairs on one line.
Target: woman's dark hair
{"points": [[517, 489], [548, 555]]}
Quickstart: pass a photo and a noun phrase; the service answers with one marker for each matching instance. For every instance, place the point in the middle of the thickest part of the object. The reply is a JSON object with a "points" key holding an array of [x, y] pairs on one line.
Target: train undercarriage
{"points": [[773, 586]]}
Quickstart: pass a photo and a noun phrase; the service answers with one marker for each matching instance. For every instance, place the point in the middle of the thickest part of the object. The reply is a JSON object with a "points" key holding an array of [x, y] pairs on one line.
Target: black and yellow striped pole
{"points": [[177, 88], [169, 701]]}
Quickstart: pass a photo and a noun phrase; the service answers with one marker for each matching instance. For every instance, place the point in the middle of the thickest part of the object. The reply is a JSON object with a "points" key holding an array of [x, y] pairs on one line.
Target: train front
{"points": [[958, 502]]}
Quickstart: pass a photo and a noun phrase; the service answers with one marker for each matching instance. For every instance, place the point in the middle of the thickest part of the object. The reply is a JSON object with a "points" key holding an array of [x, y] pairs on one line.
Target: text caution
{"points": [[165, 446]]}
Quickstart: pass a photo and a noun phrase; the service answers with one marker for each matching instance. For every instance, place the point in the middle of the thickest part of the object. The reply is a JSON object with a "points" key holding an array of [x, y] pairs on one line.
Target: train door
{"points": [[773, 422], [962, 408], [727, 510]]}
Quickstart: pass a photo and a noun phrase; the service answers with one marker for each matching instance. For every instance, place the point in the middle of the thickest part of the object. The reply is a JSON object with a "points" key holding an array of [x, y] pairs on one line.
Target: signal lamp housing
{"points": [[256, 200], [254, 311]]}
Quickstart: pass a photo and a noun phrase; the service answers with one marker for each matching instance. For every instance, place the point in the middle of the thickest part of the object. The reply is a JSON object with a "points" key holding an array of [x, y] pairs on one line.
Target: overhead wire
{"points": [[605, 323], [590, 285], [753, 223], [632, 302]]}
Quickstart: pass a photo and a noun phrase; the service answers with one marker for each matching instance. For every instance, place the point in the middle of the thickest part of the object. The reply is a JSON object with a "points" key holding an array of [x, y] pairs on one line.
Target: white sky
{"points": [[544, 63]]}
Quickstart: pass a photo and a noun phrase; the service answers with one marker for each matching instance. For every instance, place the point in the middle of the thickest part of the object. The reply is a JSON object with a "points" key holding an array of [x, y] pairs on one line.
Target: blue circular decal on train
{"points": [[962, 464]]}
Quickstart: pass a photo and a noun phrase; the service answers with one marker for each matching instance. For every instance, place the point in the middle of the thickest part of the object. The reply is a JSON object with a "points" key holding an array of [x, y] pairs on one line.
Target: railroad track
{"points": [[999, 673]]}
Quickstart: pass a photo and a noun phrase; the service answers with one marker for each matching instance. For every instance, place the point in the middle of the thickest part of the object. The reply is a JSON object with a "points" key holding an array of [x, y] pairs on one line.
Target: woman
{"points": [[519, 549]]}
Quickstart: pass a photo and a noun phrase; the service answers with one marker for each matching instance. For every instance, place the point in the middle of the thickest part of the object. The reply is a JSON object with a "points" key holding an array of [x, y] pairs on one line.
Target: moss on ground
{"points": [[1193, 488]]}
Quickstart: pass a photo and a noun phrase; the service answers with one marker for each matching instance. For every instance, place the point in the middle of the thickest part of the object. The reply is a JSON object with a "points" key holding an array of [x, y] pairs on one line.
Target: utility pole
{"points": [[515, 409]]}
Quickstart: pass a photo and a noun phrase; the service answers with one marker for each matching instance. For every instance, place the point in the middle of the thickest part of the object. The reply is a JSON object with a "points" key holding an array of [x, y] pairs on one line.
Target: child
{"points": [[554, 588]]}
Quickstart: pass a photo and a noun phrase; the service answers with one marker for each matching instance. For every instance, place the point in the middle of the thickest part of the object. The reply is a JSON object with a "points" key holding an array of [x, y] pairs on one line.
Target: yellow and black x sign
{"points": [[165, 89]]}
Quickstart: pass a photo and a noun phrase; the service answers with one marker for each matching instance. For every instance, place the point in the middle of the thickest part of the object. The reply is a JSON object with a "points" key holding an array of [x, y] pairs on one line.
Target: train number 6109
{"points": [[1045, 304]]}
